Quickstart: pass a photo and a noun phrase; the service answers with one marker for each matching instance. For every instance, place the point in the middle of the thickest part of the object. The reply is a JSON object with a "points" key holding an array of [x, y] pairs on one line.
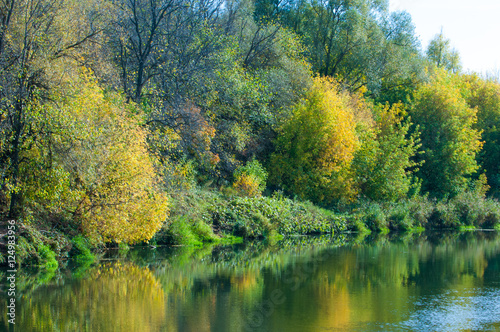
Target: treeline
{"points": [[109, 108]]}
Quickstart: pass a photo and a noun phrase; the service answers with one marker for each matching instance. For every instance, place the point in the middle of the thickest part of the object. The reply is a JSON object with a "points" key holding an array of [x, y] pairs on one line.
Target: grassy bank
{"points": [[464, 212], [203, 216], [199, 217]]}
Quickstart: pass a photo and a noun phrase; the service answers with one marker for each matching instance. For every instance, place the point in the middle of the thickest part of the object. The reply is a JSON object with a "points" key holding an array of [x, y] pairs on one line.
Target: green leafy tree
{"points": [[404, 67], [440, 53], [450, 142], [359, 42], [484, 95], [384, 165]]}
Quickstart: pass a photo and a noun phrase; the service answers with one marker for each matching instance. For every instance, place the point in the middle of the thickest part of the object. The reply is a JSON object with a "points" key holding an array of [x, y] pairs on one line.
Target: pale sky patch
{"points": [[472, 26]]}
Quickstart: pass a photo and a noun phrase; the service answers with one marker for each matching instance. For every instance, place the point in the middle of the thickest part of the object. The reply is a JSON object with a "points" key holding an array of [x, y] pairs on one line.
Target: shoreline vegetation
{"points": [[203, 217], [234, 120]]}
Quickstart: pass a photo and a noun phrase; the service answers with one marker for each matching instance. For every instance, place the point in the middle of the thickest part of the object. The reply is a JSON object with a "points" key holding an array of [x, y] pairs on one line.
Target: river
{"points": [[423, 282]]}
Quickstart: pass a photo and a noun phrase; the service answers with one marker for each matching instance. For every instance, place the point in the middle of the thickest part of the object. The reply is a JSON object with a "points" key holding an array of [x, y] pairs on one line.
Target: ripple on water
{"points": [[455, 311]]}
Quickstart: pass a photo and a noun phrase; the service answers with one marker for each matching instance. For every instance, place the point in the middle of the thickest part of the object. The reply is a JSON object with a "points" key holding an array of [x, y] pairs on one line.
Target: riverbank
{"points": [[203, 216], [199, 217]]}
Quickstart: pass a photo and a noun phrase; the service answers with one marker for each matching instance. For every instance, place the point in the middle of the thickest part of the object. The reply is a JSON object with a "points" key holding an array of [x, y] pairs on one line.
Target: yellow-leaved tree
{"points": [[102, 146], [316, 146]]}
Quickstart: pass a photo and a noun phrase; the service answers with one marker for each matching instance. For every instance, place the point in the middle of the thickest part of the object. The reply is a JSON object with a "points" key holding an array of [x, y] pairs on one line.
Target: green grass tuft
{"points": [[47, 258], [80, 252]]}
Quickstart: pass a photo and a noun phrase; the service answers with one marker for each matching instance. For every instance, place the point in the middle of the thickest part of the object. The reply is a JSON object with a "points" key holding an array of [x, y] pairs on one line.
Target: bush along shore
{"points": [[200, 217]]}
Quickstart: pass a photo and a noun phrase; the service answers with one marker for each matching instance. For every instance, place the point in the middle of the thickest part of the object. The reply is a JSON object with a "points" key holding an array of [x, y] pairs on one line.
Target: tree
{"points": [[167, 52], [31, 41], [140, 39], [358, 42], [256, 88], [164, 45], [384, 164], [100, 148], [484, 95], [403, 66], [442, 55], [316, 146], [449, 141], [234, 96], [71, 154]]}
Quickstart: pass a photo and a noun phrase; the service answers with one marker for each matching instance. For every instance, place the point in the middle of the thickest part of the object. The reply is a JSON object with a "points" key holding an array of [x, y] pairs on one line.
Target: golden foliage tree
{"points": [[103, 148], [316, 145]]}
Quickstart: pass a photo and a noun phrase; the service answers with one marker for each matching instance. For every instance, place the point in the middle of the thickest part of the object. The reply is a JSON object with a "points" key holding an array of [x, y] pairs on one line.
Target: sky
{"points": [[473, 27]]}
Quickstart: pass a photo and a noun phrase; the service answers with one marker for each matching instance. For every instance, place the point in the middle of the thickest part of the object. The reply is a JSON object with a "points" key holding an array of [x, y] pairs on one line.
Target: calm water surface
{"points": [[427, 282]]}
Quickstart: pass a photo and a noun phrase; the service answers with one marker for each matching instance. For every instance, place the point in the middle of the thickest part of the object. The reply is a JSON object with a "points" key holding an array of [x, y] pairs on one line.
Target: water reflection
{"points": [[448, 282], [111, 297], [474, 309]]}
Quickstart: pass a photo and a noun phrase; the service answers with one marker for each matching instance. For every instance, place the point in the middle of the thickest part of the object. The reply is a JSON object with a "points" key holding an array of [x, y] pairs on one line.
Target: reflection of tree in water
{"points": [[374, 281], [222, 286], [325, 282], [114, 297]]}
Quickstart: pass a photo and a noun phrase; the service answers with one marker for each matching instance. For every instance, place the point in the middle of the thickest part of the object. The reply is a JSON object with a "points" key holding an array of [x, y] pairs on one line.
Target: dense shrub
{"points": [[469, 209], [399, 218], [263, 215], [375, 217], [420, 209], [203, 216], [250, 179], [473, 210], [38, 247], [80, 251]]}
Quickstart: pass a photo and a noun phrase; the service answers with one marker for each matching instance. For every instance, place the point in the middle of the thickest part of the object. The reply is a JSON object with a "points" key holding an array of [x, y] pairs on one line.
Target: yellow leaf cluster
{"points": [[317, 145], [112, 169], [336, 127], [247, 185]]}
